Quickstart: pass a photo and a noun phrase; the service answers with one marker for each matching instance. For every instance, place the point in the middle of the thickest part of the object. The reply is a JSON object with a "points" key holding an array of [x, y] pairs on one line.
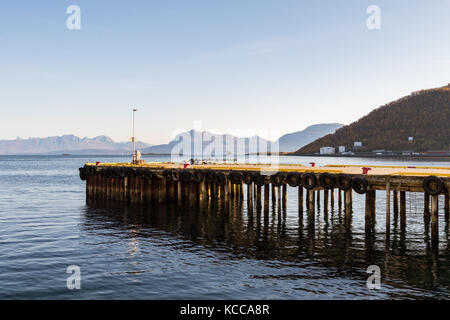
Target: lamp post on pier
{"points": [[133, 140]]}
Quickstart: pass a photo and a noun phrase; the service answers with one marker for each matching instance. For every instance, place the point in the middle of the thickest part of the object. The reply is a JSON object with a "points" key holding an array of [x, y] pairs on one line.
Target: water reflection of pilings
{"points": [[262, 232], [233, 204]]}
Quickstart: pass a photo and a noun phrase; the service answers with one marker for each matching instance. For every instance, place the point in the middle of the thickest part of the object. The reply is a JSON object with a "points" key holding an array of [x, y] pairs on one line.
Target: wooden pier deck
{"points": [[173, 182]]}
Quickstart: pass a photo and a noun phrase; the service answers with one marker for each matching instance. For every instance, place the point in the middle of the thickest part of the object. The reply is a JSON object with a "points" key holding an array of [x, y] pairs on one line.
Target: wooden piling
{"points": [[127, 193], [348, 201], [339, 199], [300, 199], [266, 197], [279, 195], [148, 191], [426, 203], [141, 188], [274, 197], [388, 205], [402, 208], [395, 202], [203, 193], [226, 191], [310, 200], [370, 206], [332, 197], [258, 196], [250, 192], [434, 221], [162, 190], [179, 191]]}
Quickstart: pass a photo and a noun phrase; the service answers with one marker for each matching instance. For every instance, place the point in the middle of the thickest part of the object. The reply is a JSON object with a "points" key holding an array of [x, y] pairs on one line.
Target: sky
{"points": [[239, 66]]}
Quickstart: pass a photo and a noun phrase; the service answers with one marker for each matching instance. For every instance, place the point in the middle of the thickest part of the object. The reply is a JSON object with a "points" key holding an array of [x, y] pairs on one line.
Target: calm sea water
{"points": [[171, 252]]}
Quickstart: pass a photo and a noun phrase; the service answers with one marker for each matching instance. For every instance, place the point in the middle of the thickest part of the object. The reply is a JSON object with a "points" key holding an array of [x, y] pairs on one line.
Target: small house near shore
{"points": [[327, 150]]}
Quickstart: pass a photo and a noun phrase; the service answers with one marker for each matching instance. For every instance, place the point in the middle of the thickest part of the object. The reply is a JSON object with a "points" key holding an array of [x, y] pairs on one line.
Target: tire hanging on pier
{"points": [[186, 176], [221, 179], [309, 181], [175, 175], [247, 178], [235, 177], [343, 182], [167, 174], [259, 179], [327, 180], [433, 185], [360, 185], [277, 179], [294, 179], [88, 171], [83, 174], [210, 176], [198, 176]]}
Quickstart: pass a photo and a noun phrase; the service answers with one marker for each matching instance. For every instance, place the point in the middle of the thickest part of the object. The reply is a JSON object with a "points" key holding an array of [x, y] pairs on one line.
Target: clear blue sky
{"points": [[234, 64]]}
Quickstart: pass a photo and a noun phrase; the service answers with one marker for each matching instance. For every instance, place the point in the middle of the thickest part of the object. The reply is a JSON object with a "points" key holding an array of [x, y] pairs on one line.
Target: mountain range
{"points": [[72, 144], [286, 143], [66, 144]]}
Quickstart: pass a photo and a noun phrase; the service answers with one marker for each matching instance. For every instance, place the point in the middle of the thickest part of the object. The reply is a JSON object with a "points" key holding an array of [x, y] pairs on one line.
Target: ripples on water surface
{"points": [[171, 252]]}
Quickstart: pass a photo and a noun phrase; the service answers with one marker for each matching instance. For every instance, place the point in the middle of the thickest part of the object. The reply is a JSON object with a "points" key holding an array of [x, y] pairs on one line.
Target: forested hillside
{"points": [[423, 115]]}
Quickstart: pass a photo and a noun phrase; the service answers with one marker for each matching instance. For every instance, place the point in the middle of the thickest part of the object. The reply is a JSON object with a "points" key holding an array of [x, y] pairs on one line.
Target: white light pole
{"points": [[134, 138]]}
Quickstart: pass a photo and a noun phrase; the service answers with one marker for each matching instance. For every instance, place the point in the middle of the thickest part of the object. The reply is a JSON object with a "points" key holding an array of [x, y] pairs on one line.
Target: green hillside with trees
{"points": [[423, 115]]}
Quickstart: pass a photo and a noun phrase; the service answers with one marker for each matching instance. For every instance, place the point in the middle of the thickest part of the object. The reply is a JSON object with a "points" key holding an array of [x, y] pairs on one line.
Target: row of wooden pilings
{"points": [[140, 187]]}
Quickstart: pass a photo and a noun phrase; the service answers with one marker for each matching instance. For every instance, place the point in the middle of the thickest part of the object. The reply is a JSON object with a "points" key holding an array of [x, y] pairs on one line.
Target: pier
{"points": [[263, 184]]}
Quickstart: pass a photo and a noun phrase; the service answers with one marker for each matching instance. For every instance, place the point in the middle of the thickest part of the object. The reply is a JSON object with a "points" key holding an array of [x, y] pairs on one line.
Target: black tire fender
{"points": [[360, 185], [175, 175], [277, 179], [343, 182], [210, 176], [294, 179], [221, 178], [247, 178], [309, 180], [327, 180], [235, 177], [186, 176], [83, 174], [259, 179], [433, 185], [167, 174], [198, 176]]}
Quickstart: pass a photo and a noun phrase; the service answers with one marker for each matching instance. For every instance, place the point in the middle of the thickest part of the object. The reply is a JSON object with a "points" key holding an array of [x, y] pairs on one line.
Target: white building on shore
{"points": [[327, 150]]}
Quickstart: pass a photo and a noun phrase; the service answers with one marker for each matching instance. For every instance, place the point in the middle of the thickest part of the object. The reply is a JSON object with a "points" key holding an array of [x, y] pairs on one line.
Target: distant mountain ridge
{"points": [[71, 144], [293, 141], [417, 122], [210, 144], [66, 144]]}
